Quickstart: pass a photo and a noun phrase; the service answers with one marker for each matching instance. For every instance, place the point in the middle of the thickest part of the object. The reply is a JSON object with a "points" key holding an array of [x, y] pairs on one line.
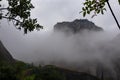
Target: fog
{"points": [[84, 51], [56, 47]]}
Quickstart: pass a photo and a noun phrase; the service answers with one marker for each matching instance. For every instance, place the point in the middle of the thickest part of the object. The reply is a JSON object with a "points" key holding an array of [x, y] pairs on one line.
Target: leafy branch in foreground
{"points": [[19, 12], [97, 6]]}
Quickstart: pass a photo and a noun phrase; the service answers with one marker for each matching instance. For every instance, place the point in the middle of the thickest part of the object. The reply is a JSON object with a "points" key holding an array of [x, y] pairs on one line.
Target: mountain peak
{"points": [[76, 26]]}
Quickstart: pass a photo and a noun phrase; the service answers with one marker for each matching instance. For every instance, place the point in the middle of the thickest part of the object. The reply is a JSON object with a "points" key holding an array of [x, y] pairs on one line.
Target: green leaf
{"points": [[83, 9], [84, 14], [88, 12], [98, 11], [102, 12]]}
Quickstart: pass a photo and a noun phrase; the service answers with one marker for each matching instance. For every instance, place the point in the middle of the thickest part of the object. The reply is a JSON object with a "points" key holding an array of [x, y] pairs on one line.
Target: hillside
{"points": [[23, 71]]}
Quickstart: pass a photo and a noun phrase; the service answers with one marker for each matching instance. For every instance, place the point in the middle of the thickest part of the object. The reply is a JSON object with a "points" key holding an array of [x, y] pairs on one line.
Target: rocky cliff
{"points": [[76, 26], [4, 54]]}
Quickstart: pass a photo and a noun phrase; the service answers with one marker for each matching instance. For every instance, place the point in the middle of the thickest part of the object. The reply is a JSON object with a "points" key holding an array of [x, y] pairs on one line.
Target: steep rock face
{"points": [[4, 54], [76, 26]]}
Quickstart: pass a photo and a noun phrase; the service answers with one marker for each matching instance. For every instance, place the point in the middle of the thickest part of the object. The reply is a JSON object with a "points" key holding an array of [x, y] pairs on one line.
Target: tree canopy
{"points": [[97, 6], [19, 12]]}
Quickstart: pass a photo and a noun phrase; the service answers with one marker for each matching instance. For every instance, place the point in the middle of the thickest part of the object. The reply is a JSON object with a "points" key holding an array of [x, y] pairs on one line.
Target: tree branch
{"points": [[113, 14], [11, 18], [3, 9]]}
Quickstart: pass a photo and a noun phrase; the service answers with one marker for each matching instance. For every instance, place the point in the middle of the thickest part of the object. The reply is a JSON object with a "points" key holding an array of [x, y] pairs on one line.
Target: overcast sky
{"points": [[48, 13]]}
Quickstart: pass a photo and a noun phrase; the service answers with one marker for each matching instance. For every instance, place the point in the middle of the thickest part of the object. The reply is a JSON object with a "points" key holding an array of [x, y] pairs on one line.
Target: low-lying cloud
{"points": [[83, 51], [56, 47]]}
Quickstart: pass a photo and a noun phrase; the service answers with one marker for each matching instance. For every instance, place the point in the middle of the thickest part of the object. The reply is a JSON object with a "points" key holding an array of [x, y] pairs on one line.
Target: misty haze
{"points": [[69, 47]]}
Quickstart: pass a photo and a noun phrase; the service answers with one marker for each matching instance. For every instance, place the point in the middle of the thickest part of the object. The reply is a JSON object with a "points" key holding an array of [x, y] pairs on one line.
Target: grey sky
{"points": [[48, 13]]}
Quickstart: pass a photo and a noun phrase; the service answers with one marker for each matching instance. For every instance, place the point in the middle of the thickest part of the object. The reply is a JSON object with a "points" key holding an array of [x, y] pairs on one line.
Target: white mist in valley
{"points": [[69, 50], [86, 51]]}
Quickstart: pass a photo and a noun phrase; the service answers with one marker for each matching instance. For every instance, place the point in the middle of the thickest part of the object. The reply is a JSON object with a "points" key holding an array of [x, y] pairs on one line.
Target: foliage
{"points": [[32, 77], [23, 71], [96, 6], [51, 73], [7, 73], [18, 11]]}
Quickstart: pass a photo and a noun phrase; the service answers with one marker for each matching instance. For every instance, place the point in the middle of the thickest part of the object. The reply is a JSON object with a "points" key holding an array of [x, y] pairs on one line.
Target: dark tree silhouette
{"points": [[97, 6], [18, 11]]}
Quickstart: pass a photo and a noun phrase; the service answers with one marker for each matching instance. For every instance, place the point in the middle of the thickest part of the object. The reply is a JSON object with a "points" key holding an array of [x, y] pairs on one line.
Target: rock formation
{"points": [[4, 54], [76, 26]]}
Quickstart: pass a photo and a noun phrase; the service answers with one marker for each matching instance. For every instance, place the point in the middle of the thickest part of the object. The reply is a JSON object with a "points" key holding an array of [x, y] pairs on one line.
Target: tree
{"points": [[97, 6], [18, 12]]}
